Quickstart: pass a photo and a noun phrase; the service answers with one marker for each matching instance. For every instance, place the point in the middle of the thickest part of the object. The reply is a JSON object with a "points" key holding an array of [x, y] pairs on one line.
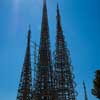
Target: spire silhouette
{"points": [[63, 72], [44, 51], [59, 27], [44, 26], [44, 85], [25, 85]]}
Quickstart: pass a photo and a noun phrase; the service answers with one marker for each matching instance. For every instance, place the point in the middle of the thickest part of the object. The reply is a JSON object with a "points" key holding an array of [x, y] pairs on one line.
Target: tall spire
{"points": [[63, 68], [25, 85], [59, 27], [44, 27], [85, 92], [44, 88], [45, 57]]}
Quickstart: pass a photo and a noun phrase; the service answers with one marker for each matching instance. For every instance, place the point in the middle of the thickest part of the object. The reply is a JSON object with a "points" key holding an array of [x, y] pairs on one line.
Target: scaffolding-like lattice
{"points": [[25, 85], [63, 68]]}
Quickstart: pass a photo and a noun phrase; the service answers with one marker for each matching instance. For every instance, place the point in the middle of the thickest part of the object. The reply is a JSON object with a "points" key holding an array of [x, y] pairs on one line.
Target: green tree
{"points": [[96, 83]]}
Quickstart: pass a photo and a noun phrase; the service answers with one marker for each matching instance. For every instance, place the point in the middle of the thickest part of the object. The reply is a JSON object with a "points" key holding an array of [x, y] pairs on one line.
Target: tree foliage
{"points": [[96, 82]]}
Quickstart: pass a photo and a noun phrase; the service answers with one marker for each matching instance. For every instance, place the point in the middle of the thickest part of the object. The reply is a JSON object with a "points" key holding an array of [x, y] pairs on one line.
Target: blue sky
{"points": [[81, 26]]}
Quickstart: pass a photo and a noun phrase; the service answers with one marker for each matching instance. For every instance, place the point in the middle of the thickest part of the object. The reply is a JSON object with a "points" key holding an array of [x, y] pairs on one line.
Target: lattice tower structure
{"points": [[65, 84], [25, 85], [44, 89]]}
